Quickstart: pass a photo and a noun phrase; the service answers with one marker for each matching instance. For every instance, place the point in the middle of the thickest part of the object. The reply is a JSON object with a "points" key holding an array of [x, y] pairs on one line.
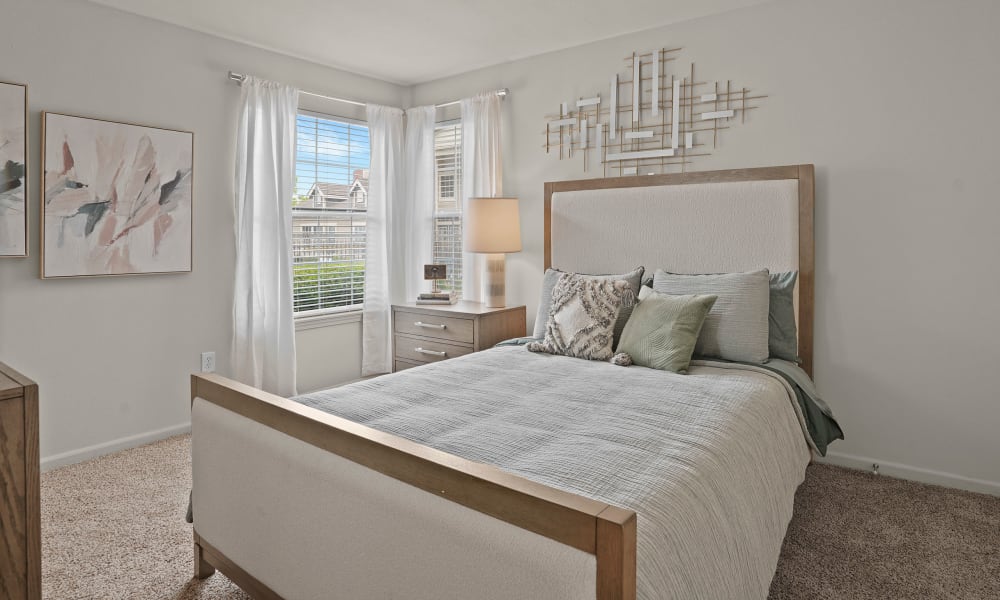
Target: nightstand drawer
{"points": [[445, 328], [425, 350], [399, 364]]}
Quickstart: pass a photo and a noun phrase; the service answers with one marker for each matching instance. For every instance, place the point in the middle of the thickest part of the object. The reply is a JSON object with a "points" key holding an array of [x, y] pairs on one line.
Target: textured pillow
{"points": [[582, 316], [663, 330], [634, 279], [782, 334], [736, 327]]}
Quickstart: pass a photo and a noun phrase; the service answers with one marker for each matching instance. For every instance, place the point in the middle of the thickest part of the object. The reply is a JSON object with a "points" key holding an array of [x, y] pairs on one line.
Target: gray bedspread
{"points": [[709, 460]]}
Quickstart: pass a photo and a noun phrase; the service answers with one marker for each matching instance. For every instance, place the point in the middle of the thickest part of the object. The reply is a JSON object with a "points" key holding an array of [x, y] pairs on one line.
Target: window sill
{"points": [[327, 319]]}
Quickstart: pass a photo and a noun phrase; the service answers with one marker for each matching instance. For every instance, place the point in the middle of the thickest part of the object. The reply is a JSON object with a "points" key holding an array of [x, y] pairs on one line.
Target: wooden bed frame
{"points": [[607, 532]]}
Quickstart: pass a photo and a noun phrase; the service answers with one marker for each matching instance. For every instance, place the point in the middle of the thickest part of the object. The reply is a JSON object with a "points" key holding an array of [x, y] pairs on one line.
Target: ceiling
{"points": [[409, 42]]}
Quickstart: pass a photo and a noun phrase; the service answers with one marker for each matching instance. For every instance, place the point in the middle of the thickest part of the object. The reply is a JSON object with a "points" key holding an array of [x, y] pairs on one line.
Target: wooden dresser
{"points": [[429, 333], [20, 519]]}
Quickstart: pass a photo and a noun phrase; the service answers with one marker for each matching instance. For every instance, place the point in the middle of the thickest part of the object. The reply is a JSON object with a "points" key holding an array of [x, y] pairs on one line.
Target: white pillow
{"points": [[736, 328]]}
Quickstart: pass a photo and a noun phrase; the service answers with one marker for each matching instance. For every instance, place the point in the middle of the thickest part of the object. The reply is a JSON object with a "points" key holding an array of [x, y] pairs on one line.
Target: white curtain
{"points": [[386, 187], [263, 352], [399, 221], [418, 225], [482, 173]]}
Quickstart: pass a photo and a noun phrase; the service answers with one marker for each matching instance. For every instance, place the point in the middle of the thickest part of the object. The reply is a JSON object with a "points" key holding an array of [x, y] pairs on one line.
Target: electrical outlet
{"points": [[208, 362]]}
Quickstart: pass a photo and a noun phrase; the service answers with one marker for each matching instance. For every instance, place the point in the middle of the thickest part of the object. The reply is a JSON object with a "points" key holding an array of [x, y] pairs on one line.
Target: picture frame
{"points": [[434, 272], [14, 238], [117, 198]]}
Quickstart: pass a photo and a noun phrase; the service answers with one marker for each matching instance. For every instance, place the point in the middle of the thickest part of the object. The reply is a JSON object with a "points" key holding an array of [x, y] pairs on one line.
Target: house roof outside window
{"points": [[338, 196]]}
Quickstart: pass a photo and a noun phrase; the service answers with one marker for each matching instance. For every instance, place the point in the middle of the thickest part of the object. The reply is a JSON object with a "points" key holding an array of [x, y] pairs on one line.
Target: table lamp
{"points": [[493, 227]]}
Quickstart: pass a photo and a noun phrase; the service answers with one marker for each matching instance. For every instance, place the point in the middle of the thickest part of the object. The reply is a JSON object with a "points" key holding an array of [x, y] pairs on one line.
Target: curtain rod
{"points": [[239, 77]]}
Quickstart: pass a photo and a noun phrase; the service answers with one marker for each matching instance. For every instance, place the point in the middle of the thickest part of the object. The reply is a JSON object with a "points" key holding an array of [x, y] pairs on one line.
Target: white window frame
{"points": [[335, 315]]}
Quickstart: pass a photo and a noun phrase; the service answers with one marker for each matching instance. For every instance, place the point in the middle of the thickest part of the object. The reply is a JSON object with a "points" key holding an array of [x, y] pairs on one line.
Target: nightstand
{"points": [[425, 333]]}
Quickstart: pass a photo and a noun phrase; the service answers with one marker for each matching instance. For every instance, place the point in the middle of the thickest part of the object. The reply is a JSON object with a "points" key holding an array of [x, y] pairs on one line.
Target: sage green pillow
{"points": [[663, 329], [736, 328]]}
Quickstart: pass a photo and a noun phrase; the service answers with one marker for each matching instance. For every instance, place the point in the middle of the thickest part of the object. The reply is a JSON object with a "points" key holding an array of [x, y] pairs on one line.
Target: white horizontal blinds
{"points": [[332, 158], [448, 203]]}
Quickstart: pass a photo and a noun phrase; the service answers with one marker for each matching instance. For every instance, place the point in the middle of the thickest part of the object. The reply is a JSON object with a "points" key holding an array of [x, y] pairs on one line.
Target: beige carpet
{"points": [[114, 528], [858, 536]]}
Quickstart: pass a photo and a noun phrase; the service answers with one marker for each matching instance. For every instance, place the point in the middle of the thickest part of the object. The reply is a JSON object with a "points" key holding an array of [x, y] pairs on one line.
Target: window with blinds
{"points": [[448, 203], [332, 157]]}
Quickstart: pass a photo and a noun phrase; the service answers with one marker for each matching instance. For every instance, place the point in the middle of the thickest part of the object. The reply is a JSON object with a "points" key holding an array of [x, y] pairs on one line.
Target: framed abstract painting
{"points": [[13, 170], [116, 198]]}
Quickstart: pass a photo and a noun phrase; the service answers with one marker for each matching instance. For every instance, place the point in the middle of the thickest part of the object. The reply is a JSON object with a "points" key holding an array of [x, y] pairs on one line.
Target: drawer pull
{"points": [[431, 352], [430, 325]]}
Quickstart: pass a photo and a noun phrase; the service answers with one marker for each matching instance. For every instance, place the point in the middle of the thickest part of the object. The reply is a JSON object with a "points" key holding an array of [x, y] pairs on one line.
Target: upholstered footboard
{"points": [[290, 502]]}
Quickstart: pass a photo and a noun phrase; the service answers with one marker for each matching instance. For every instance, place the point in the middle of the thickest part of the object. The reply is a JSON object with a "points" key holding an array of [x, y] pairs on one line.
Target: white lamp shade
{"points": [[493, 226]]}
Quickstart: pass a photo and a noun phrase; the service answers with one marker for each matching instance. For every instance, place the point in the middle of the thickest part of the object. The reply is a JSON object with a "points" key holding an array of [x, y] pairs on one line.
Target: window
{"points": [[332, 157], [448, 203], [446, 187]]}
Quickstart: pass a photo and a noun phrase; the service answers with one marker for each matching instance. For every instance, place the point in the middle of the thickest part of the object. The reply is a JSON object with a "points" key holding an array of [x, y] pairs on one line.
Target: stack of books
{"points": [[437, 298]]}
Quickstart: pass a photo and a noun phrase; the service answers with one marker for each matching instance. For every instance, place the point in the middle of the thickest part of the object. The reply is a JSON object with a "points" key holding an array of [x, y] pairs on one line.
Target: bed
{"points": [[510, 474]]}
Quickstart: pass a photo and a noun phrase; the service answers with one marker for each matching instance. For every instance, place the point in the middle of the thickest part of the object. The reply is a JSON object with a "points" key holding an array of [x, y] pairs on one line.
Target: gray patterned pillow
{"points": [[582, 316], [633, 277]]}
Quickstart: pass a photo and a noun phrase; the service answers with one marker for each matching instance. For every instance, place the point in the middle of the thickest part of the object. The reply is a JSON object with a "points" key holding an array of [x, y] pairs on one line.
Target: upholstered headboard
{"points": [[707, 222]]}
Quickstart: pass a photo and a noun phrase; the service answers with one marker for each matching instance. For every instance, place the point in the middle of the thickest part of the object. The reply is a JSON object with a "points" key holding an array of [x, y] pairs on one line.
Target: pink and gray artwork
{"points": [[13, 217], [117, 198]]}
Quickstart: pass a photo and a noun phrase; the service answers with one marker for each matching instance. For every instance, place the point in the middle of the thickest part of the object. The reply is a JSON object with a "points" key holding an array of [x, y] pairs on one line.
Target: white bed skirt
{"points": [[309, 524]]}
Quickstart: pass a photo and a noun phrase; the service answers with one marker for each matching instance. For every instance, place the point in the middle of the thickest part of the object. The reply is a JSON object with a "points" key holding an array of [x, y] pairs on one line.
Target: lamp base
{"points": [[495, 282]]}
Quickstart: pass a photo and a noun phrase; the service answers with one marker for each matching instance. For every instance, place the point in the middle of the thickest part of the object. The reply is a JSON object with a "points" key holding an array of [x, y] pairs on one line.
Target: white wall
{"points": [[112, 355], [894, 102], [328, 354]]}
